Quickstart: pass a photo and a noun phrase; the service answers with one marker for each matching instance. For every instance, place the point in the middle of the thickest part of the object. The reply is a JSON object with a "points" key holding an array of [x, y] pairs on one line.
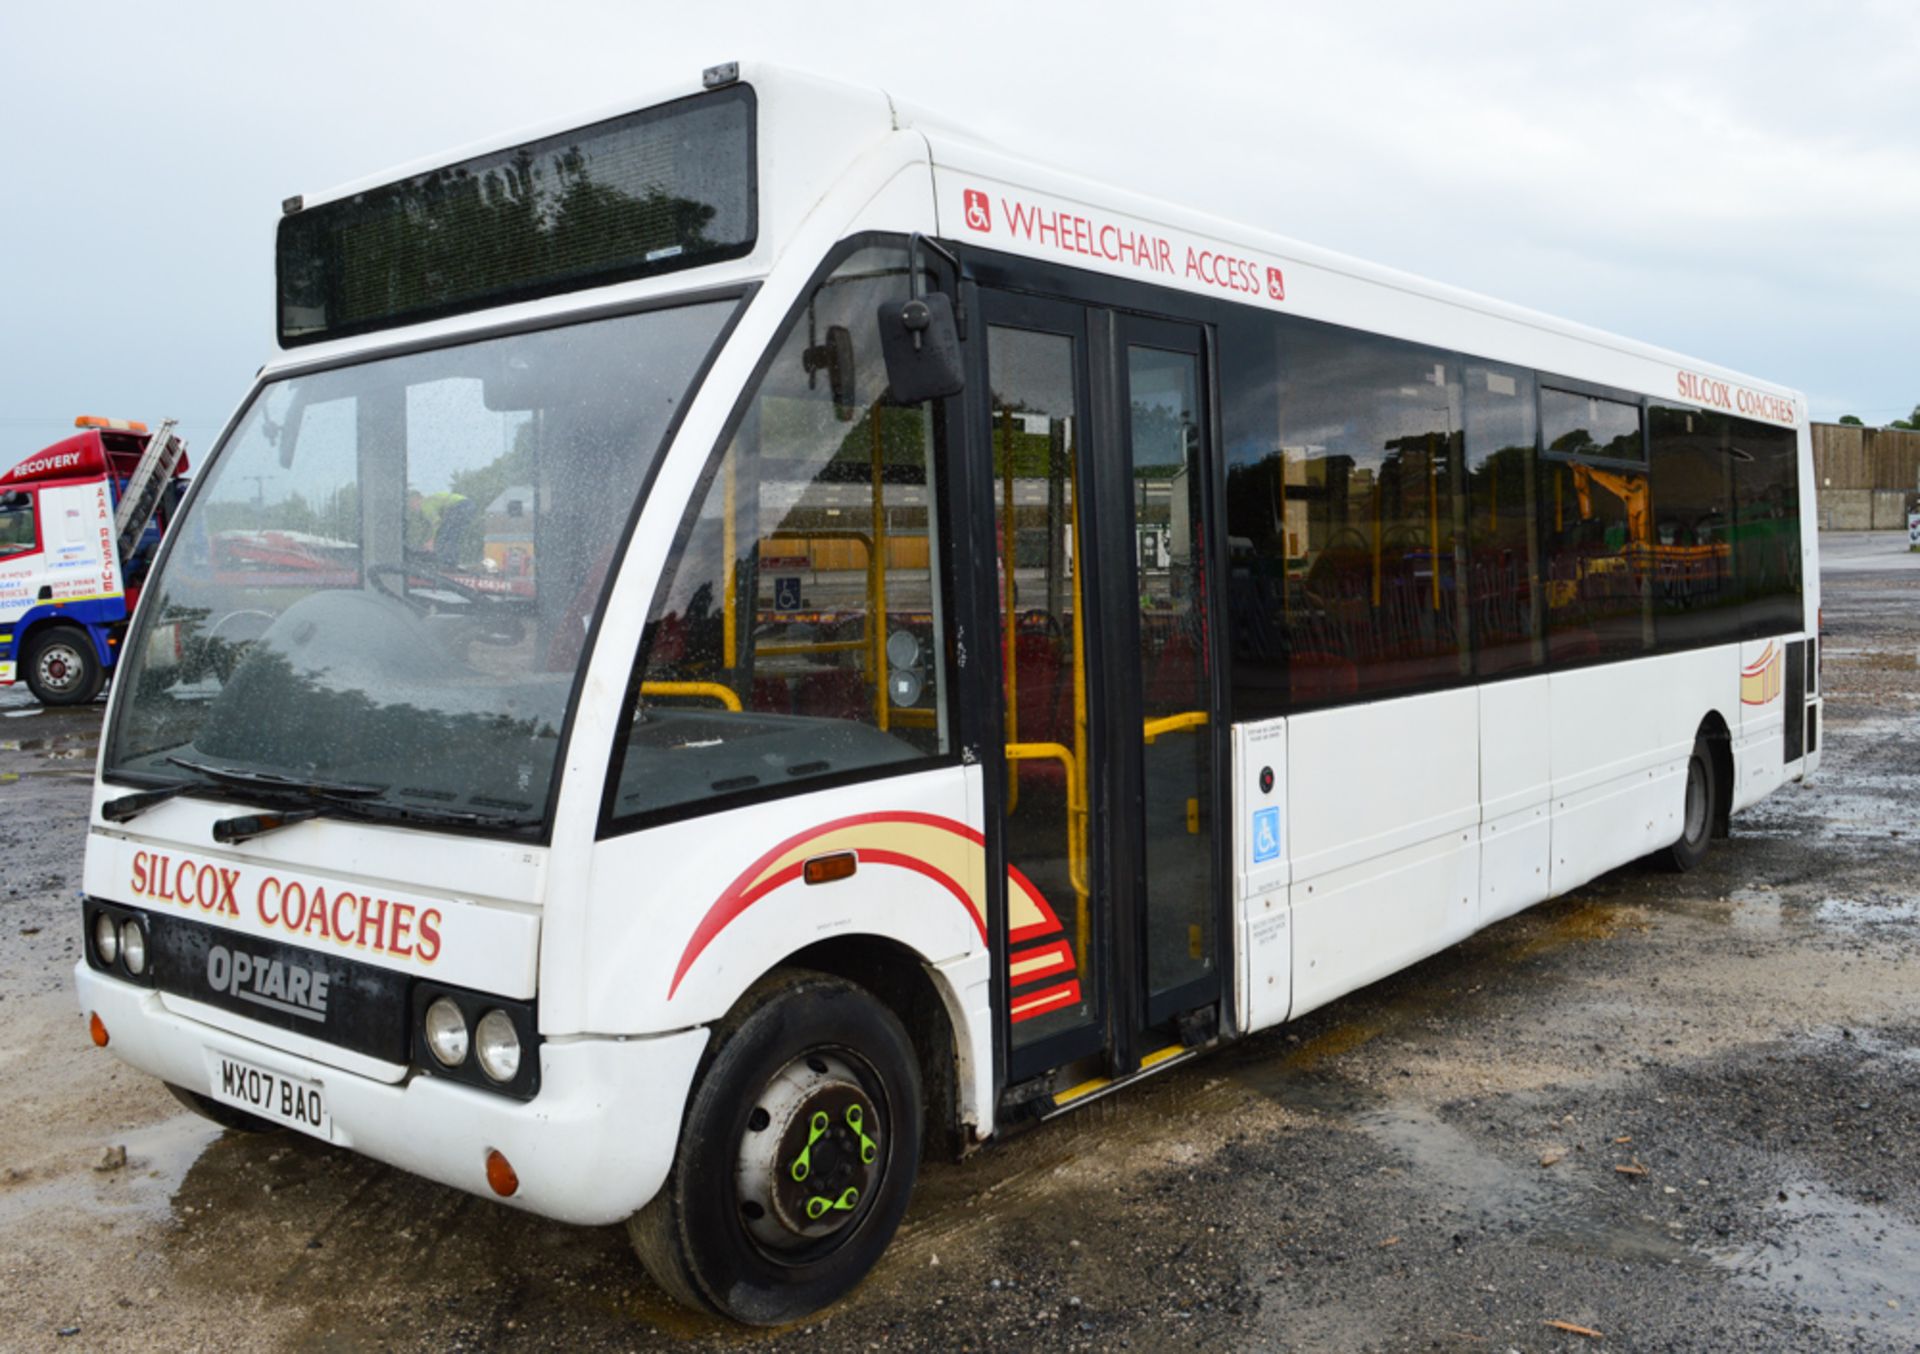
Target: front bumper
{"points": [[591, 1148]]}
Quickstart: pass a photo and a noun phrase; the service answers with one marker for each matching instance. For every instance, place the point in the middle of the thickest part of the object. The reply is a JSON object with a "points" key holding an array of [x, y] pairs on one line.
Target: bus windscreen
{"points": [[649, 192]]}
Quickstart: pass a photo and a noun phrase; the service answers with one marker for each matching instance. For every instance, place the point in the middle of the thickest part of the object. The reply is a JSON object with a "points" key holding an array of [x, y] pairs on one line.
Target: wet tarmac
{"points": [[1678, 1111]]}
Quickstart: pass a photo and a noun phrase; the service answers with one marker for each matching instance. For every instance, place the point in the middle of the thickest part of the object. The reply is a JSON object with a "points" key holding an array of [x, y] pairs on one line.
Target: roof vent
{"points": [[719, 77]]}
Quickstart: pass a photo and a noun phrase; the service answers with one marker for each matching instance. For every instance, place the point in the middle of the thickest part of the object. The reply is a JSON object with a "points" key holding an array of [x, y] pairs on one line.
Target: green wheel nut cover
{"points": [[803, 1164], [820, 1205], [856, 1118]]}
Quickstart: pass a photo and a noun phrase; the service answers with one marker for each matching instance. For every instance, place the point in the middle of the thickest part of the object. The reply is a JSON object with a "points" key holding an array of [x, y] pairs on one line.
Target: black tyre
{"points": [[1702, 805], [222, 1114], [62, 668], [797, 1155]]}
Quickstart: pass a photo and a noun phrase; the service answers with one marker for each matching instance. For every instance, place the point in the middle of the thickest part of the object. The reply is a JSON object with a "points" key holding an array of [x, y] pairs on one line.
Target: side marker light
{"points": [[97, 1028], [826, 869], [500, 1174]]}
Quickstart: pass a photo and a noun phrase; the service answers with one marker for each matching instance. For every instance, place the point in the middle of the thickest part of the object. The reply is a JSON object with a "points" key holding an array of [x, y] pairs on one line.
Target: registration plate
{"points": [[292, 1101]]}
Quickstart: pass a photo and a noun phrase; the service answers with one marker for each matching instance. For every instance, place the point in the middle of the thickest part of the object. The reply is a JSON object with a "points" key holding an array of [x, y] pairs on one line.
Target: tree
{"points": [[1851, 421], [1911, 423]]}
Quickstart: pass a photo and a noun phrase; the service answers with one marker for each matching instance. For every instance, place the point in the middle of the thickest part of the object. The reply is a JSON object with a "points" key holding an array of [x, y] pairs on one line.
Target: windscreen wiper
{"points": [[273, 781], [128, 807], [387, 811], [272, 785]]}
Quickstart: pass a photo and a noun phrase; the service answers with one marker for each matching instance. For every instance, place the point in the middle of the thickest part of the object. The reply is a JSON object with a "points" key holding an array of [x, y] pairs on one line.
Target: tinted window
{"points": [[1343, 514], [1767, 525], [1694, 596], [1587, 425], [797, 631], [1596, 523], [1503, 542], [664, 188]]}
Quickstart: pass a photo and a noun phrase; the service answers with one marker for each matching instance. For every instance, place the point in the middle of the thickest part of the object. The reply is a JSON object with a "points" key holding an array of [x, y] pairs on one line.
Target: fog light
{"points": [[500, 1174], [497, 1045], [98, 1029], [447, 1032], [106, 938], [133, 947]]}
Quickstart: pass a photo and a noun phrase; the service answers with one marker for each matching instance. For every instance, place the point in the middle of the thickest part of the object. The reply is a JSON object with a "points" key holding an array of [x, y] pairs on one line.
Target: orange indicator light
{"points": [[826, 869], [98, 1029], [500, 1174]]}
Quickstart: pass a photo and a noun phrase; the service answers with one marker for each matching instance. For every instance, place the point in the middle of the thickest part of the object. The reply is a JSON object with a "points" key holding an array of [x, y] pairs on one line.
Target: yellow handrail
{"points": [[710, 690], [1076, 806], [811, 646], [1190, 719]]}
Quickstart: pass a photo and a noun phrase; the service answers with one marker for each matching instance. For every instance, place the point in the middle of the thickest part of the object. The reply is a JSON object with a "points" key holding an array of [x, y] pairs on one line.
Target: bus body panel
{"points": [[1758, 755], [1516, 795], [1384, 806], [342, 908], [1622, 736], [693, 913], [590, 1149]]}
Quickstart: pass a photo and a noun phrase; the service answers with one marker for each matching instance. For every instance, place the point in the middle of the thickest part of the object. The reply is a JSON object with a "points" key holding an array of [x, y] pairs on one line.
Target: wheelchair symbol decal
{"points": [[1266, 835]]}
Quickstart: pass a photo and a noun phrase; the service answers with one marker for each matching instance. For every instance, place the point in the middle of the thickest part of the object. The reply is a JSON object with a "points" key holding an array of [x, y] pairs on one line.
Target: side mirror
{"points": [[921, 344]]}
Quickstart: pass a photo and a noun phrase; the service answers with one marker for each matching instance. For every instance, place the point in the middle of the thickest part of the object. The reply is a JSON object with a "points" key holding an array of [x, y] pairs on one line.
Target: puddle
{"points": [[158, 1159], [1851, 1263], [1756, 912], [1847, 912]]}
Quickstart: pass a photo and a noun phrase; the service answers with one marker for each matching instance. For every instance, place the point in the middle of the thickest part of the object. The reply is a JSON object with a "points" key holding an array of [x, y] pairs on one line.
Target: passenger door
{"points": [[1101, 809]]}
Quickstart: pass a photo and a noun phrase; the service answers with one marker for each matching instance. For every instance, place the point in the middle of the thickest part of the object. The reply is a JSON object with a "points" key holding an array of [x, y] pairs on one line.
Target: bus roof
{"points": [[812, 128]]}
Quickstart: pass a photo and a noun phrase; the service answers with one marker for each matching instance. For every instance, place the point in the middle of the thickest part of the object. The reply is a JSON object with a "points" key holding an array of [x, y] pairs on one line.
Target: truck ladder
{"points": [[146, 486]]}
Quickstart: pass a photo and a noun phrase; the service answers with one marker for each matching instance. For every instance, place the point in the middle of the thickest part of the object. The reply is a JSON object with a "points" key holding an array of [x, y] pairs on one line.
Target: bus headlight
{"points": [[133, 947], [497, 1044], [447, 1032], [106, 938]]}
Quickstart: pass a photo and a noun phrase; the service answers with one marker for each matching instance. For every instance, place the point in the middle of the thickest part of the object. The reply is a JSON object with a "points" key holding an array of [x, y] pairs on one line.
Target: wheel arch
{"points": [[1719, 740], [926, 1005]]}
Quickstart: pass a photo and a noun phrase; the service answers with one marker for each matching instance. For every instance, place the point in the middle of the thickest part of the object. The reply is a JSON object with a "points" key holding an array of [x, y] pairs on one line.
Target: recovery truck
{"points": [[79, 523]]}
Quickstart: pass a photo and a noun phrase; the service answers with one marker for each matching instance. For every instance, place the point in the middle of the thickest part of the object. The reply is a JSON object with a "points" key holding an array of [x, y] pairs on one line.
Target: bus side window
{"points": [[798, 631], [16, 523]]}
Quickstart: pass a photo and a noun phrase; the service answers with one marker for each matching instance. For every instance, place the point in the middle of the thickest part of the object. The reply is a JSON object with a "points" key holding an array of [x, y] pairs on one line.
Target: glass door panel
{"points": [[1177, 773], [1036, 442]]}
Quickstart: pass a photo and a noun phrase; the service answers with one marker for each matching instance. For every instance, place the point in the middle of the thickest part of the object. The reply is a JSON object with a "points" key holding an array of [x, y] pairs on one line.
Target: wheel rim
{"points": [[812, 1155], [1696, 801], [61, 667]]}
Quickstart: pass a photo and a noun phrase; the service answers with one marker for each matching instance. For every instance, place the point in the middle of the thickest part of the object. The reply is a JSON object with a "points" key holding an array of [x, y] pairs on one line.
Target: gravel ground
{"points": [[1677, 1111]]}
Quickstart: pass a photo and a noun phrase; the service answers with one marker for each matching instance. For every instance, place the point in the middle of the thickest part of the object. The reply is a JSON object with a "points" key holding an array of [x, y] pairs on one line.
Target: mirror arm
{"points": [[915, 243]]}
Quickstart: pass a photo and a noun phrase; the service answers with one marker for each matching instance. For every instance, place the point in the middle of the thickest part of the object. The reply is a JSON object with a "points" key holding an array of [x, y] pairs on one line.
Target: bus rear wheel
{"points": [[797, 1156], [62, 668], [1702, 802]]}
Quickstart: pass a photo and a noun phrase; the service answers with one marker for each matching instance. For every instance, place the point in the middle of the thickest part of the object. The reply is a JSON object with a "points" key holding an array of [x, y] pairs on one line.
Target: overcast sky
{"points": [[1738, 181]]}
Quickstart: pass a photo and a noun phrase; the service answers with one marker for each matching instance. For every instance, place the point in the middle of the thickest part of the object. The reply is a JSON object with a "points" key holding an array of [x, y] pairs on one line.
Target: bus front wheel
{"points": [[62, 668], [797, 1155]]}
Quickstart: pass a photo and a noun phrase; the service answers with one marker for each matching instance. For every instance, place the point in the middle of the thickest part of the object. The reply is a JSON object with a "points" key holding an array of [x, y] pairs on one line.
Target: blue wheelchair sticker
{"points": [[786, 594], [1266, 835]]}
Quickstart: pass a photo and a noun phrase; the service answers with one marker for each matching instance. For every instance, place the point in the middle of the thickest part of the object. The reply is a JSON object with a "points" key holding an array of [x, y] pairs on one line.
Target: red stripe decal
{"points": [[1049, 999], [1044, 962], [739, 895]]}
